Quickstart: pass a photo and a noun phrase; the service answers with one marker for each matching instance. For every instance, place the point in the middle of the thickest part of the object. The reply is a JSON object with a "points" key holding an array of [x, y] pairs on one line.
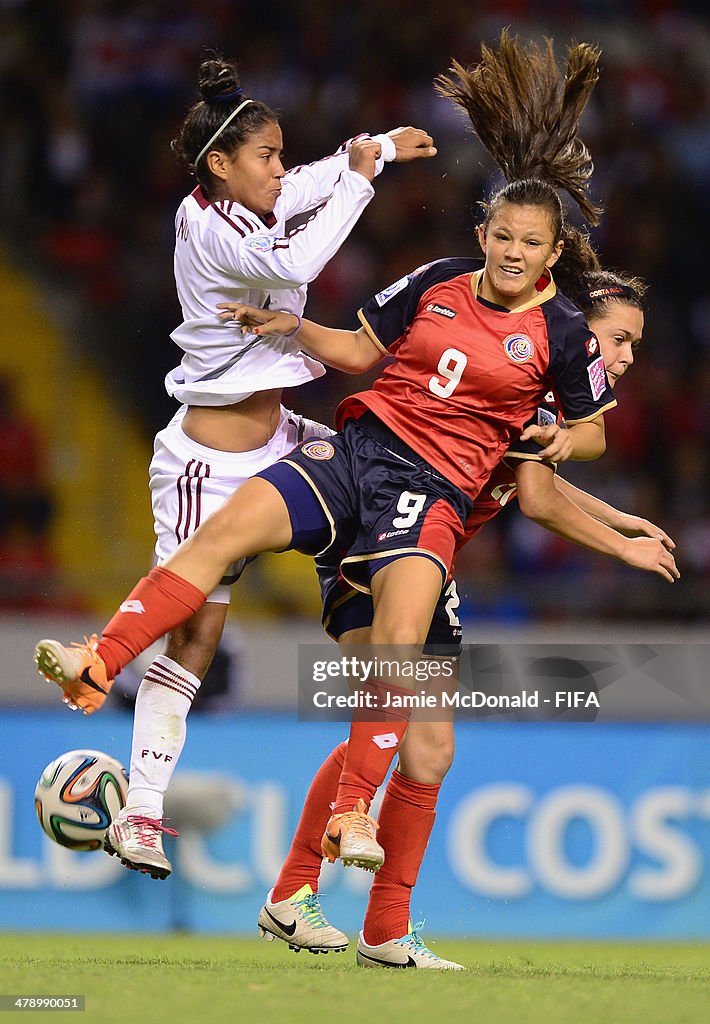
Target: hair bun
{"points": [[218, 80]]}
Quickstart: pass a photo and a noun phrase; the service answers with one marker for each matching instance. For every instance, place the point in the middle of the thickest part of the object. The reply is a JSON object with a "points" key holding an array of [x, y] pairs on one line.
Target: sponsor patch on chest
{"points": [[434, 307], [597, 378]]}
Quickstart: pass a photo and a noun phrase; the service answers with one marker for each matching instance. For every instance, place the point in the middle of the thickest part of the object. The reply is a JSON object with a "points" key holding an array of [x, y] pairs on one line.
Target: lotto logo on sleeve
{"points": [[519, 347], [597, 378], [592, 346], [321, 451]]}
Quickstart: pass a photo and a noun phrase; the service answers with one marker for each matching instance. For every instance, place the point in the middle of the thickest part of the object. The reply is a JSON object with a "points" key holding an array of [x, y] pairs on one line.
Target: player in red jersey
{"points": [[613, 307], [382, 470]]}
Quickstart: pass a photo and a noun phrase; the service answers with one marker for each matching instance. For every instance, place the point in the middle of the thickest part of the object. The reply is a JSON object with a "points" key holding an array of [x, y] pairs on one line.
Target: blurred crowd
{"points": [[92, 92]]}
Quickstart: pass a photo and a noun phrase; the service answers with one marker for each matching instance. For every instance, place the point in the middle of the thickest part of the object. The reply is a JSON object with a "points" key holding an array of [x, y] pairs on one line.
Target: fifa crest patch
{"points": [[546, 417], [320, 451], [390, 290], [519, 347], [262, 243], [597, 378]]}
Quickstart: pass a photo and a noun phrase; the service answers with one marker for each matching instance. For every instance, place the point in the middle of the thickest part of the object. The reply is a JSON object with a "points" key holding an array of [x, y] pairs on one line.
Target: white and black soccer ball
{"points": [[78, 796]]}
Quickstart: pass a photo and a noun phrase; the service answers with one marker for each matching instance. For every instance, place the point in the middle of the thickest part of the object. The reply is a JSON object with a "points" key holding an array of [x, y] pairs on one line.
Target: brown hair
{"points": [[221, 93], [527, 117]]}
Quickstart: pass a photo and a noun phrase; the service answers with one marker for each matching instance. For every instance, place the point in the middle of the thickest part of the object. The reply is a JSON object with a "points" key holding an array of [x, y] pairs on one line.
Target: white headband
{"points": [[221, 129]]}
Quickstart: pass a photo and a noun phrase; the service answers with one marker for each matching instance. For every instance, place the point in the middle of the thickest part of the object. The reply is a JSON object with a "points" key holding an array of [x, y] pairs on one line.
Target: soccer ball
{"points": [[78, 796]]}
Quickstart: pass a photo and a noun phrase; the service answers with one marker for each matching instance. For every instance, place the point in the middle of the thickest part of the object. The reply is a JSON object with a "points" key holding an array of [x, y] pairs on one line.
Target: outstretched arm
{"points": [[349, 351], [542, 501], [309, 185], [623, 522]]}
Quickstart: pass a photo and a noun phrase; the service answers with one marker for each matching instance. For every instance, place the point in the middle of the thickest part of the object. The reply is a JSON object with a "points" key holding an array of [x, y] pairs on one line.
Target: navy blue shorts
{"points": [[345, 608], [366, 492]]}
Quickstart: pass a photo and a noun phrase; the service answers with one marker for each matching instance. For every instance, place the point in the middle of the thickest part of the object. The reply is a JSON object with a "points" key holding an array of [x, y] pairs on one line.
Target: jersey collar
{"points": [[203, 202], [546, 289]]}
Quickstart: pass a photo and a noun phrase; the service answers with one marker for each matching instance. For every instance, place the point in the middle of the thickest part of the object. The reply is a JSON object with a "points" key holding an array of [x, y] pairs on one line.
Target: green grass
{"points": [[210, 980]]}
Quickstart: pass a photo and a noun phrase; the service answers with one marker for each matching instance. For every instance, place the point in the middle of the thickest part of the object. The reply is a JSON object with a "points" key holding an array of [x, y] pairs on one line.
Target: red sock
{"points": [[406, 820], [371, 749], [304, 859], [158, 603]]}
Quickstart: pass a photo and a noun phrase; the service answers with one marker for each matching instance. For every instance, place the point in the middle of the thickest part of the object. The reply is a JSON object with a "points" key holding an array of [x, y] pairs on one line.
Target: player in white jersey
{"points": [[232, 243]]}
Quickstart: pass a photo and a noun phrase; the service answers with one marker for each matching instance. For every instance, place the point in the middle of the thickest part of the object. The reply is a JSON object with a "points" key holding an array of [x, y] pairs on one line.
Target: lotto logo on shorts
{"points": [[388, 534], [597, 377], [321, 451], [519, 347]]}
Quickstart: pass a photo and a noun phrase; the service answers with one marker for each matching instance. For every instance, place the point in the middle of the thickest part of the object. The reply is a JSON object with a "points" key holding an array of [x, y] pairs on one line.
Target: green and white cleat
{"points": [[299, 921], [409, 951]]}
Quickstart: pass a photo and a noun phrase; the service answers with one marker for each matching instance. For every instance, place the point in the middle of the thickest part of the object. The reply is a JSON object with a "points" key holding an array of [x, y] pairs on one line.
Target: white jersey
{"points": [[225, 253]]}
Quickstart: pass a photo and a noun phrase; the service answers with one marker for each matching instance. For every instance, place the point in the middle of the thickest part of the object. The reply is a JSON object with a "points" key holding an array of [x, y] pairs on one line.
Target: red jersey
{"points": [[468, 374], [500, 488]]}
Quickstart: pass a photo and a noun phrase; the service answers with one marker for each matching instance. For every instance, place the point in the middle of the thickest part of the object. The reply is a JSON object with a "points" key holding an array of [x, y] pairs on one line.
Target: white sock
{"points": [[164, 698]]}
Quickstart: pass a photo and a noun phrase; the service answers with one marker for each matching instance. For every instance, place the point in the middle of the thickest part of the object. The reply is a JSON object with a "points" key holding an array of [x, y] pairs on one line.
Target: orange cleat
{"points": [[351, 837], [78, 670]]}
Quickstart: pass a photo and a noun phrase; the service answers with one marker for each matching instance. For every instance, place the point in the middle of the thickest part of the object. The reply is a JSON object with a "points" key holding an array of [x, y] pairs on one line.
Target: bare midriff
{"points": [[243, 427]]}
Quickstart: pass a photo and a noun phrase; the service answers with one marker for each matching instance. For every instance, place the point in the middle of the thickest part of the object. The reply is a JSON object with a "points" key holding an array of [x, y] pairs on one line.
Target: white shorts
{"points": [[189, 481]]}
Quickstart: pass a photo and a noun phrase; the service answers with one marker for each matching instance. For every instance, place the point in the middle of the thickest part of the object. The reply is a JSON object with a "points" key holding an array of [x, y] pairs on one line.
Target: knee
{"points": [[402, 634]]}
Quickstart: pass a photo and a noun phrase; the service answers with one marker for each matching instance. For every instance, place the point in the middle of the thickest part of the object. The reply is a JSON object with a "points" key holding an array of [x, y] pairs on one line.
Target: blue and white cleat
{"points": [[409, 951], [300, 922]]}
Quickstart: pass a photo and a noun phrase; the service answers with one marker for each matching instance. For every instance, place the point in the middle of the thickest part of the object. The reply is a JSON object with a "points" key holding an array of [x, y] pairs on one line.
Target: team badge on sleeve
{"points": [[321, 451], [518, 347], [262, 243], [390, 290], [597, 378], [546, 417]]}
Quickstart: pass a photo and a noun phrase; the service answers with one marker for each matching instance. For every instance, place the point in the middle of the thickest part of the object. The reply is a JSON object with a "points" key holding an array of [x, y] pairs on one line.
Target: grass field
{"points": [[210, 980]]}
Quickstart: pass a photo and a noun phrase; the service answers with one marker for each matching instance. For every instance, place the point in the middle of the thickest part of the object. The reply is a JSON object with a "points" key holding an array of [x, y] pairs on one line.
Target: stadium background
{"points": [[90, 96]]}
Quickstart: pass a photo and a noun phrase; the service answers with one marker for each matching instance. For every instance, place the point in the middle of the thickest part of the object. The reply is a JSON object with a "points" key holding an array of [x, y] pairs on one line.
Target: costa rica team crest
{"points": [[519, 347], [319, 450]]}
